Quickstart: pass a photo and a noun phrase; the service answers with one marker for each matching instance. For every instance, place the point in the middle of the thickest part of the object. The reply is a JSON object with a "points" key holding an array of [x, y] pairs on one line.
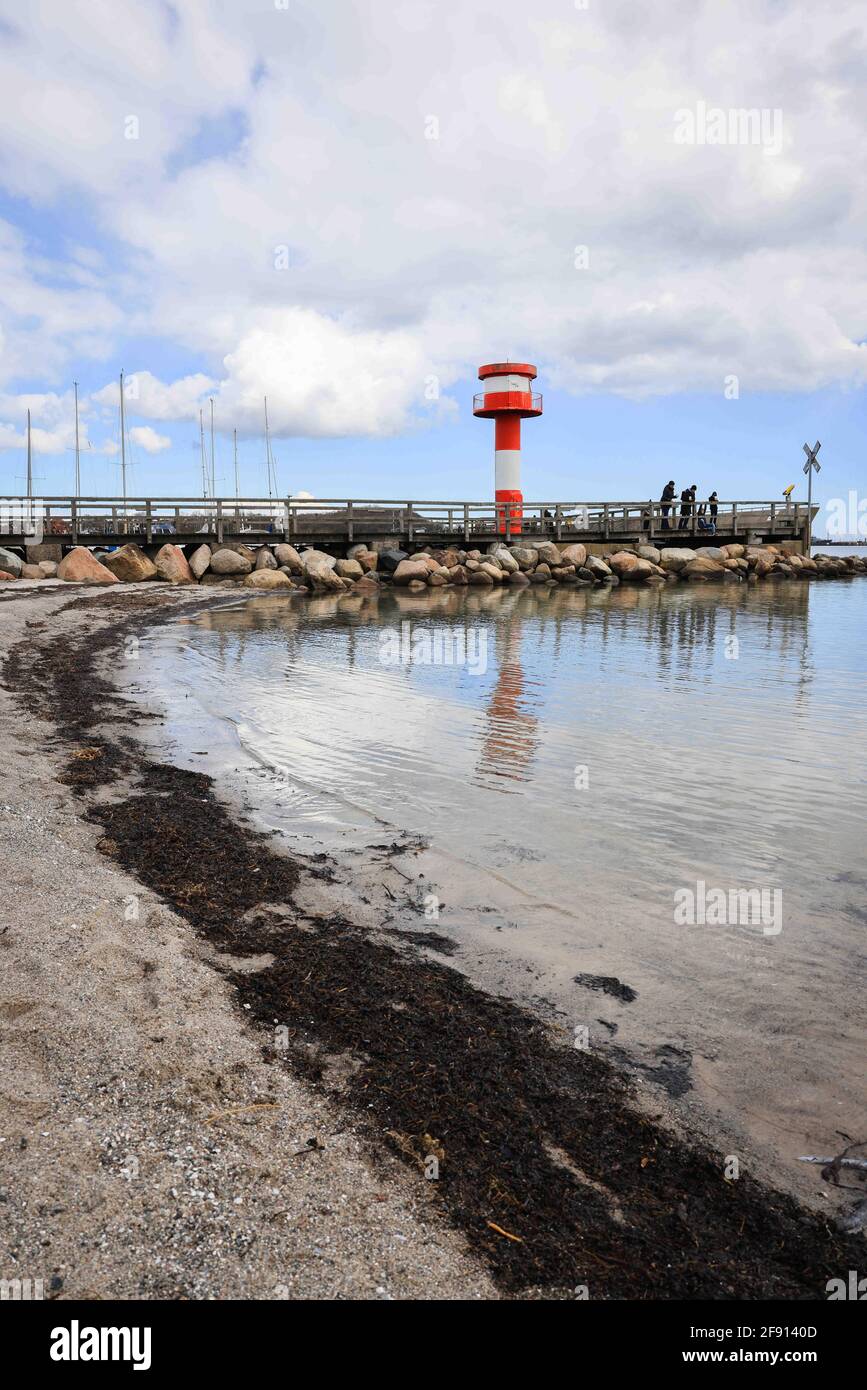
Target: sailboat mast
{"points": [[29, 461], [235, 454], [268, 449], [273, 489], [202, 448], [122, 444], [77, 446], [213, 465]]}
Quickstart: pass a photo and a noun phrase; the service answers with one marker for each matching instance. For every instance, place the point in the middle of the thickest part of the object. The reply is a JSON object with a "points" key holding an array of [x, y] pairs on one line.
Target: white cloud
{"points": [[148, 439], [147, 396], [411, 258], [322, 377]]}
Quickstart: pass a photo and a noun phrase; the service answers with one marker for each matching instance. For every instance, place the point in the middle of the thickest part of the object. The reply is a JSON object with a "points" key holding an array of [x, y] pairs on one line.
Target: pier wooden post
{"points": [[350, 530], [650, 520], [219, 521], [773, 518], [605, 521], [409, 522], [466, 521], [149, 522], [734, 518], [74, 525], [558, 522]]}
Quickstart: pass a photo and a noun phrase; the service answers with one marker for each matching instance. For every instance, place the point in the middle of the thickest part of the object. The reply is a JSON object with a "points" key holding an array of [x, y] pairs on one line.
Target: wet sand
{"points": [[149, 1151]]}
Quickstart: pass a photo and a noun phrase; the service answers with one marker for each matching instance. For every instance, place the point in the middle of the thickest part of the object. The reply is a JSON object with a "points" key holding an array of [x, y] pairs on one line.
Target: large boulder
{"points": [[764, 562], [172, 566], [317, 559], [573, 555], [648, 552], [288, 556], [526, 557], [390, 559], [6, 576], [30, 572], [264, 559], [408, 570], [46, 550], [225, 561], [199, 560], [319, 571], [623, 563], [676, 557], [349, 569], [703, 568], [48, 568], [598, 568], [130, 564], [10, 562], [735, 551], [240, 549], [504, 558], [366, 558], [81, 567], [712, 552], [497, 575], [266, 579], [548, 552], [519, 579]]}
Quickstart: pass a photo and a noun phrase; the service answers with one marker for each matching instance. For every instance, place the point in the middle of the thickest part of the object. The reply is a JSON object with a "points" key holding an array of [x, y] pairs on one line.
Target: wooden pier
{"points": [[337, 523]]}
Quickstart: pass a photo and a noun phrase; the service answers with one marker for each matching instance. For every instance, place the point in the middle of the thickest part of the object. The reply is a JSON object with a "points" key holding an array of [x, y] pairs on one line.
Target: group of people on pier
{"points": [[706, 512]]}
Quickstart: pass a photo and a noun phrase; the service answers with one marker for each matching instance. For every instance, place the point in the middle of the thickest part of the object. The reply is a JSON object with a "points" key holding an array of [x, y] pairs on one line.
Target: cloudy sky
{"points": [[348, 205]]}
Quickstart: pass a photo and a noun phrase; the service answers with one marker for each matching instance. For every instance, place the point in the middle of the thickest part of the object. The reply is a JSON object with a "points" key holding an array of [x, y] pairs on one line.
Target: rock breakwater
{"points": [[282, 567]]}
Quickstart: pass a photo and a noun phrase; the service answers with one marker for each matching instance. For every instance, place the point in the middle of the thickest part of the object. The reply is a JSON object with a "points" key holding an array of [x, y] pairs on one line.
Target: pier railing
{"points": [[91, 520]]}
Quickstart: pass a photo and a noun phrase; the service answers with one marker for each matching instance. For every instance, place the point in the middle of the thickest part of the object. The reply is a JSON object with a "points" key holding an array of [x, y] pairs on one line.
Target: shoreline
{"points": [[544, 1160]]}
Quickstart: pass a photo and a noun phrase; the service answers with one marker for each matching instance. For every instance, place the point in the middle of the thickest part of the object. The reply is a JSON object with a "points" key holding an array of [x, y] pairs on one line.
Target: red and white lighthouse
{"points": [[507, 398]]}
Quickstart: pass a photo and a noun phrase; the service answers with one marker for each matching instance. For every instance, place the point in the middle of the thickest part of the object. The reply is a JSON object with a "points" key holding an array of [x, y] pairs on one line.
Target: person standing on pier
{"points": [[667, 496], [687, 498]]}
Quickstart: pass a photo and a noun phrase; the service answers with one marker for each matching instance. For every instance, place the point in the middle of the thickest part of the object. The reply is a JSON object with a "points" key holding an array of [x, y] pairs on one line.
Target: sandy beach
{"points": [[148, 1150], [218, 1085]]}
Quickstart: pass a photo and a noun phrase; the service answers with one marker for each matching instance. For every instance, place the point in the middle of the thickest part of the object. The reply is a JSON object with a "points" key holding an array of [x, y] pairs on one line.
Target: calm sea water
{"points": [[601, 752]]}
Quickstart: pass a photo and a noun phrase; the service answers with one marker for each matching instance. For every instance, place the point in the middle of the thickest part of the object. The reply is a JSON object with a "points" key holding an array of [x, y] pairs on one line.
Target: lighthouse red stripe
{"points": [[507, 432], [508, 400]]}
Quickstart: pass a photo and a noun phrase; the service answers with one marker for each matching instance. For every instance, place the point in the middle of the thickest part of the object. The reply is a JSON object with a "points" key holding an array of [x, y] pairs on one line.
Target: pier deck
{"points": [[330, 523]]}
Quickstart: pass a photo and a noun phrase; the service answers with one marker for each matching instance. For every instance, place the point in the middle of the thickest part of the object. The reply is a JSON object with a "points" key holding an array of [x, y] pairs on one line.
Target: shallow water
{"points": [[600, 752]]}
